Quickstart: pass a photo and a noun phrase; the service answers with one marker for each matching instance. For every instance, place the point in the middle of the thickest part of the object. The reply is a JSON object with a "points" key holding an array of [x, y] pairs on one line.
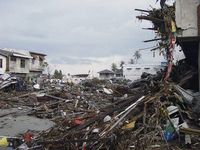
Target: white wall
{"points": [[36, 64], [134, 71], [3, 69], [186, 16], [15, 66]]}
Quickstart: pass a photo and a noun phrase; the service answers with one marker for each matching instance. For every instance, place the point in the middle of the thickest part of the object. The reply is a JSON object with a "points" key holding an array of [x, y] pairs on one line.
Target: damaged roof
{"points": [[5, 53], [20, 53], [106, 71], [36, 53]]}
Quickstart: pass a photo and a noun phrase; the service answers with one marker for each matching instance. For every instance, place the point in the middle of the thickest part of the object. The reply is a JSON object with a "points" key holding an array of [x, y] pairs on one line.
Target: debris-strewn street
{"points": [[98, 114], [158, 111]]}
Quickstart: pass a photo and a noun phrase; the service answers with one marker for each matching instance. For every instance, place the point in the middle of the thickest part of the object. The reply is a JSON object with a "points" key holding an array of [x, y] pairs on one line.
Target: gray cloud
{"points": [[73, 30], [89, 28], [73, 61]]}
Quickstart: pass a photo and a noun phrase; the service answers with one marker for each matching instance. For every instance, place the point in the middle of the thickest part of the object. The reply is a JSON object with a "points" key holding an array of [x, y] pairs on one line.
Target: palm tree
{"points": [[131, 61], [121, 64], [137, 55]]}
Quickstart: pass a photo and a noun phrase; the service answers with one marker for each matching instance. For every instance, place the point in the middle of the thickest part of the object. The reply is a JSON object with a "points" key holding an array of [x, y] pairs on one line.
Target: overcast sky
{"points": [[77, 35]]}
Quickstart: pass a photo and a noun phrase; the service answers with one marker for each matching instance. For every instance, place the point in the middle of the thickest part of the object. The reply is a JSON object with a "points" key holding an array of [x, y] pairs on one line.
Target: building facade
{"points": [[3, 66], [134, 71], [19, 63], [187, 17], [106, 74], [37, 64]]}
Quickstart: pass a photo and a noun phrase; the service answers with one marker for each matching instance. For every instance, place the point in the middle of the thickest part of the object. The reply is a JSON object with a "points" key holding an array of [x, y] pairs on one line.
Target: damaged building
{"points": [[37, 64], [187, 16], [22, 63], [177, 24]]}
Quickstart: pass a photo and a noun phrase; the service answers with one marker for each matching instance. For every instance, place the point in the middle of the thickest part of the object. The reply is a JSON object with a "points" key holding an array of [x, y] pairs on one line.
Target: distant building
{"points": [[134, 71], [20, 63], [119, 73], [106, 74], [77, 78]]}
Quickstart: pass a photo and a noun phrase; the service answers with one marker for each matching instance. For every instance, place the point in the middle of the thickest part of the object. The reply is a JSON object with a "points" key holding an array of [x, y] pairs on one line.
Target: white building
{"points": [[106, 74], [21, 63], [3, 59], [14, 62], [134, 71]]}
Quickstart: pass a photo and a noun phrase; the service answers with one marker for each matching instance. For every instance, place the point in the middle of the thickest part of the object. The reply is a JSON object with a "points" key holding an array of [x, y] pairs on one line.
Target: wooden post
{"points": [[198, 25], [199, 65]]}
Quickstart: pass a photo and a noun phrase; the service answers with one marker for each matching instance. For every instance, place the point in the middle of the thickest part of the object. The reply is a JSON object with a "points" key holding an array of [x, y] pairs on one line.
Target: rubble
{"points": [[105, 115], [155, 112]]}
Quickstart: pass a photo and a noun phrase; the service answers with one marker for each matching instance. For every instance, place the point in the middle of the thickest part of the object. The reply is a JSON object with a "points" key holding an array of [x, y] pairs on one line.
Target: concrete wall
{"points": [[134, 71], [186, 17], [36, 64], [15, 67], [3, 69]]}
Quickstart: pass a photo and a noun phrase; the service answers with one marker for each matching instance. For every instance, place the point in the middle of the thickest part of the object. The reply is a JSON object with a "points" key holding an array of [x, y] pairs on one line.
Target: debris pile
{"points": [[96, 114], [145, 114], [165, 28]]}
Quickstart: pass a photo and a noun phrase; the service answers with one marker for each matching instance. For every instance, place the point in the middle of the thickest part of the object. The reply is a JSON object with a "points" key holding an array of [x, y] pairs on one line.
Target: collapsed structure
{"points": [[177, 24]]}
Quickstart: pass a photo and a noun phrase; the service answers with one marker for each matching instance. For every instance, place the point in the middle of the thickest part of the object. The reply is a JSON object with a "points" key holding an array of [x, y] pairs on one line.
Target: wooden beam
{"points": [[149, 28], [143, 10], [150, 19], [152, 40]]}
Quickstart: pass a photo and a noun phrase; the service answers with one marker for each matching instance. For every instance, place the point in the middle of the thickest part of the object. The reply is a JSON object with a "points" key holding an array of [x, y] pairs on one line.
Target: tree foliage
{"points": [[58, 74], [137, 55], [121, 64], [114, 67], [132, 61]]}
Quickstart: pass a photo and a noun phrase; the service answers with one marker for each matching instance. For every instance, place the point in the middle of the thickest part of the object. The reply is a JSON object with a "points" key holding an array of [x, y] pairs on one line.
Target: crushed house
{"points": [[21, 63]]}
